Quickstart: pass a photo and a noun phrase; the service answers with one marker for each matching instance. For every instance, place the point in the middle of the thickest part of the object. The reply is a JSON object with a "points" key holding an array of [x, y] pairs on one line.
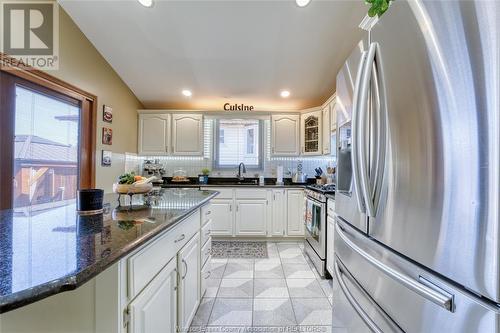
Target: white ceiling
{"points": [[235, 51]]}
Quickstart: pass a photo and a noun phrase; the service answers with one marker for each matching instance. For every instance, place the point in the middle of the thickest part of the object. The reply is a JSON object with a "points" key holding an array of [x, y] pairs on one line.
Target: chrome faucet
{"points": [[240, 177]]}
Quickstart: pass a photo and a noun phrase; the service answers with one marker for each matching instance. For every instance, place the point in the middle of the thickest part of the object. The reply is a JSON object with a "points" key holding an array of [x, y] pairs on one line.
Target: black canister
{"points": [[89, 200]]}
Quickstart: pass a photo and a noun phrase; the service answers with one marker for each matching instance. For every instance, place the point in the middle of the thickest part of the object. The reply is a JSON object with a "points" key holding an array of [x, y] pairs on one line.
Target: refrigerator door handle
{"points": [[361, 135], [354, 137], [366, 318], [378, 89], [443, 299]]}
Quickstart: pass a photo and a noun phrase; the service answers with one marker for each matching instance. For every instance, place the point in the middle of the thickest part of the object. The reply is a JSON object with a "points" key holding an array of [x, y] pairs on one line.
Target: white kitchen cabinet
{"points": [[311, 133], [285, 135], [188, 265], [187, 134], [330, 256], [155, 309], [333, 115], [154, 134], [251, 217], [278, 219], [222, 217], [295, 213], [326, 130]]}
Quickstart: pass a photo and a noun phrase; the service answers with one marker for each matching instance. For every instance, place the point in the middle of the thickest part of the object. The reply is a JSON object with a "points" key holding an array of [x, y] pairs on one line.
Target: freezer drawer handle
{"points": [[444, 301], [353, 301]]}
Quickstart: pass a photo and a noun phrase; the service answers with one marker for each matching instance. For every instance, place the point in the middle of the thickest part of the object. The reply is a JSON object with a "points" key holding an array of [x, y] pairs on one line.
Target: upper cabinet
{"points": [[165, 134], [154, 134], [311, 133], [326, 129], [285, 135], [187, 134], [333, 115]]}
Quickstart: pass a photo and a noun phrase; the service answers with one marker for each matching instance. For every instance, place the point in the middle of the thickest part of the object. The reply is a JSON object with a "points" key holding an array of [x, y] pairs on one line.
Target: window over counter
{"points": [[238, 140]]}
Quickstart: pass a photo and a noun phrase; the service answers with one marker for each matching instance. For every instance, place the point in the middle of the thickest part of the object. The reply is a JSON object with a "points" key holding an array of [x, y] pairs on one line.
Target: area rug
{"points": [[239, 249]]}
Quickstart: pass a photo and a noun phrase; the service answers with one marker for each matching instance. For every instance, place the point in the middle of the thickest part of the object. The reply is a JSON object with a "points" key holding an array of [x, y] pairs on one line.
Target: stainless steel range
{"points": [[315, 225]]}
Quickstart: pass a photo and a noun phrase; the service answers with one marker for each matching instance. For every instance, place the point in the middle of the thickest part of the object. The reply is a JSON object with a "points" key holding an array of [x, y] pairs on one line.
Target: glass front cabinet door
{"points": [[311, 133]]}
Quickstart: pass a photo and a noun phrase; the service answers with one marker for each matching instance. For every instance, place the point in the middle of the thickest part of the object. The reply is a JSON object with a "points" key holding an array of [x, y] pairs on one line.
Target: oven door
{"points": [[315, 225]]}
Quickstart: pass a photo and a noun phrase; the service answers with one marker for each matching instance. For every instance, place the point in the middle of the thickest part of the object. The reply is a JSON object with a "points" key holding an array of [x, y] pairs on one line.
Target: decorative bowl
{"points": [[132, 188]]}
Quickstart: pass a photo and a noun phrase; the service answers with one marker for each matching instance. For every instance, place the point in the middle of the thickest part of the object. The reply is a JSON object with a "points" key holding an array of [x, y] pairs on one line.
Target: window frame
{"points": [[260, 150], [42, 83]]}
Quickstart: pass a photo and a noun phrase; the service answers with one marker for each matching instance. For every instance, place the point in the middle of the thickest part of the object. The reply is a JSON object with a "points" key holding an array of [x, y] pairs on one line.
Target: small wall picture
{"points": [[107, 136], [107, 114], [106, 158]]}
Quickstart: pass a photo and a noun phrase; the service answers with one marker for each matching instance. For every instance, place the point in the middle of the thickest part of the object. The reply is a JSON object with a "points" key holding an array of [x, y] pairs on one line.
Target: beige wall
{"points": [[82, 65]]}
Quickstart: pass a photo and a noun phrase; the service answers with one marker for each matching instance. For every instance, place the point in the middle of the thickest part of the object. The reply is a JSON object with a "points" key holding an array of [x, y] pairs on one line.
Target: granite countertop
{"points": [[232, 185], [53, 249], [232, 182]]}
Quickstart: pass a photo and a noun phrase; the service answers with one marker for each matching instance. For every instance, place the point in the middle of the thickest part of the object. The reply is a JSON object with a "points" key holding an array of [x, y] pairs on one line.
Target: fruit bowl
{"points": [[132, 188]]}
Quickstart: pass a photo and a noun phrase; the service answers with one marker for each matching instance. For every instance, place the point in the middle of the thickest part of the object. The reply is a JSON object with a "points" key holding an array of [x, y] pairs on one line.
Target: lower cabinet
{"points": [[295, 217], [155, 308], [278, 217], [251, 217], [222, 217], [330, 254], [188, 263]]}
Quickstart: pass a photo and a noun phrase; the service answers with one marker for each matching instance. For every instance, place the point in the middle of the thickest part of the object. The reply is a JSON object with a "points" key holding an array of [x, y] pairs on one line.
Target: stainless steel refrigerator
{"points": [[417, 235]]}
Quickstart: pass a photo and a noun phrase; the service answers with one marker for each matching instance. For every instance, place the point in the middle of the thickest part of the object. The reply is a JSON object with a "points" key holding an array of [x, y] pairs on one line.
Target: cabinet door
{"points": [[187, 134], [155, 308], [326, 130], [251, 217], [279, 213], [333, 115], [311, 133], [295, 213], [330, 227], [188, 264], [285, 135], [154, 134], [222, 217]]}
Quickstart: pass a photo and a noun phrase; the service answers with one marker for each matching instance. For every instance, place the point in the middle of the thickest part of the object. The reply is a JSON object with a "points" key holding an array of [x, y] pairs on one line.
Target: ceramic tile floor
{"points": [[282, 293]]}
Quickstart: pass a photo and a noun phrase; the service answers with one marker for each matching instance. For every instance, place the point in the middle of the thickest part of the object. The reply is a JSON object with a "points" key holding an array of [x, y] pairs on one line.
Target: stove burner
{"points": [[322, 188]]}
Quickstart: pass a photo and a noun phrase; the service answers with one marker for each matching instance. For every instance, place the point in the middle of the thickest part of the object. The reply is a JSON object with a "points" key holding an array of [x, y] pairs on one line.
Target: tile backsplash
{"points": [[193, 165]]}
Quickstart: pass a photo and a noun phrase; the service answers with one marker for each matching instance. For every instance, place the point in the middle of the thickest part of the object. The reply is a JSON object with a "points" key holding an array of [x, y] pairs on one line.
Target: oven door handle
{"points": [[319, 203]]}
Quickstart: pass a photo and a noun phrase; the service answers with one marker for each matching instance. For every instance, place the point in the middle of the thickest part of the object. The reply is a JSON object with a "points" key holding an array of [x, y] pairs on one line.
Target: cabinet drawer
{"points": [[148, 261], [205, 233], [251, 194], [206, 214], [205, 252], [224, 192], [205, 275]]}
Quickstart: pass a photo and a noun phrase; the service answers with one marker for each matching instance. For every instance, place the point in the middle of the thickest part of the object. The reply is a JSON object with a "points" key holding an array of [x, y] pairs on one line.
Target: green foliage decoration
{"points": [[378, 7]]}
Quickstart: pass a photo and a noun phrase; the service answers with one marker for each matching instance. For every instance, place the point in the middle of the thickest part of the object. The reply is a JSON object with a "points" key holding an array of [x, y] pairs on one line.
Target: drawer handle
{"points": [[180, 238], [208, 275], [208, 212], [186, 268]]}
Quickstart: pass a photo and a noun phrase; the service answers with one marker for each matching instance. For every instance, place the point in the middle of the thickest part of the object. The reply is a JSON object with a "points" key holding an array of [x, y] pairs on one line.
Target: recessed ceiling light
{"points": [[285, 93], [302, 3], [146, 3], [187, 93]]}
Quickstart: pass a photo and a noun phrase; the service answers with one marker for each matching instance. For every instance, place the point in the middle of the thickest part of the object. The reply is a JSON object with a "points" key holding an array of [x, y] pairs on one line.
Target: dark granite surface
{"points": [[232, 182], [52, 250]]}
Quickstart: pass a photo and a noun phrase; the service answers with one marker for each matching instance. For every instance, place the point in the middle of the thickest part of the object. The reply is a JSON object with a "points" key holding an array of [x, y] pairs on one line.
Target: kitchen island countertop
{"points": [[52, 249]]}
